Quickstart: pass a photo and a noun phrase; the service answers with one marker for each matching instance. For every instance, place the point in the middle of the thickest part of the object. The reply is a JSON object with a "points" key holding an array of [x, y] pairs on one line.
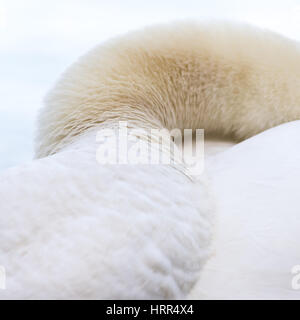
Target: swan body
{"points": [[257, 239], [72, 228]]}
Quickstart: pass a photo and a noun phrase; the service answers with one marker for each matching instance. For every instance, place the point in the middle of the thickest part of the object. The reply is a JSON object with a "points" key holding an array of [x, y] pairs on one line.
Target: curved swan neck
{"points": [[227, 79]]}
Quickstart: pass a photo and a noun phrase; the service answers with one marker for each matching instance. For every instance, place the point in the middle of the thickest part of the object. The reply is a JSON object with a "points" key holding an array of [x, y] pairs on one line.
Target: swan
{"points": [[257, 239], [71, 228]]}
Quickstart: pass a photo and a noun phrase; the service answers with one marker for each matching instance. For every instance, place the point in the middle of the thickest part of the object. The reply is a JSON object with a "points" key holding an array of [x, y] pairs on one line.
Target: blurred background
{"points": [[39, 39]]}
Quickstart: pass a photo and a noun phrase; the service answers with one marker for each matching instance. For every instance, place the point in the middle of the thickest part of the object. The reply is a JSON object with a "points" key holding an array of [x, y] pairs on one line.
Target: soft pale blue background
{"points": [[40, 38]]}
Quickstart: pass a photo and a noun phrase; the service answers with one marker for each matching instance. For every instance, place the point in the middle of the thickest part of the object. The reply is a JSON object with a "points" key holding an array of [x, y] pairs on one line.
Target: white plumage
{"points": [[71, 228], [257, 238]]}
